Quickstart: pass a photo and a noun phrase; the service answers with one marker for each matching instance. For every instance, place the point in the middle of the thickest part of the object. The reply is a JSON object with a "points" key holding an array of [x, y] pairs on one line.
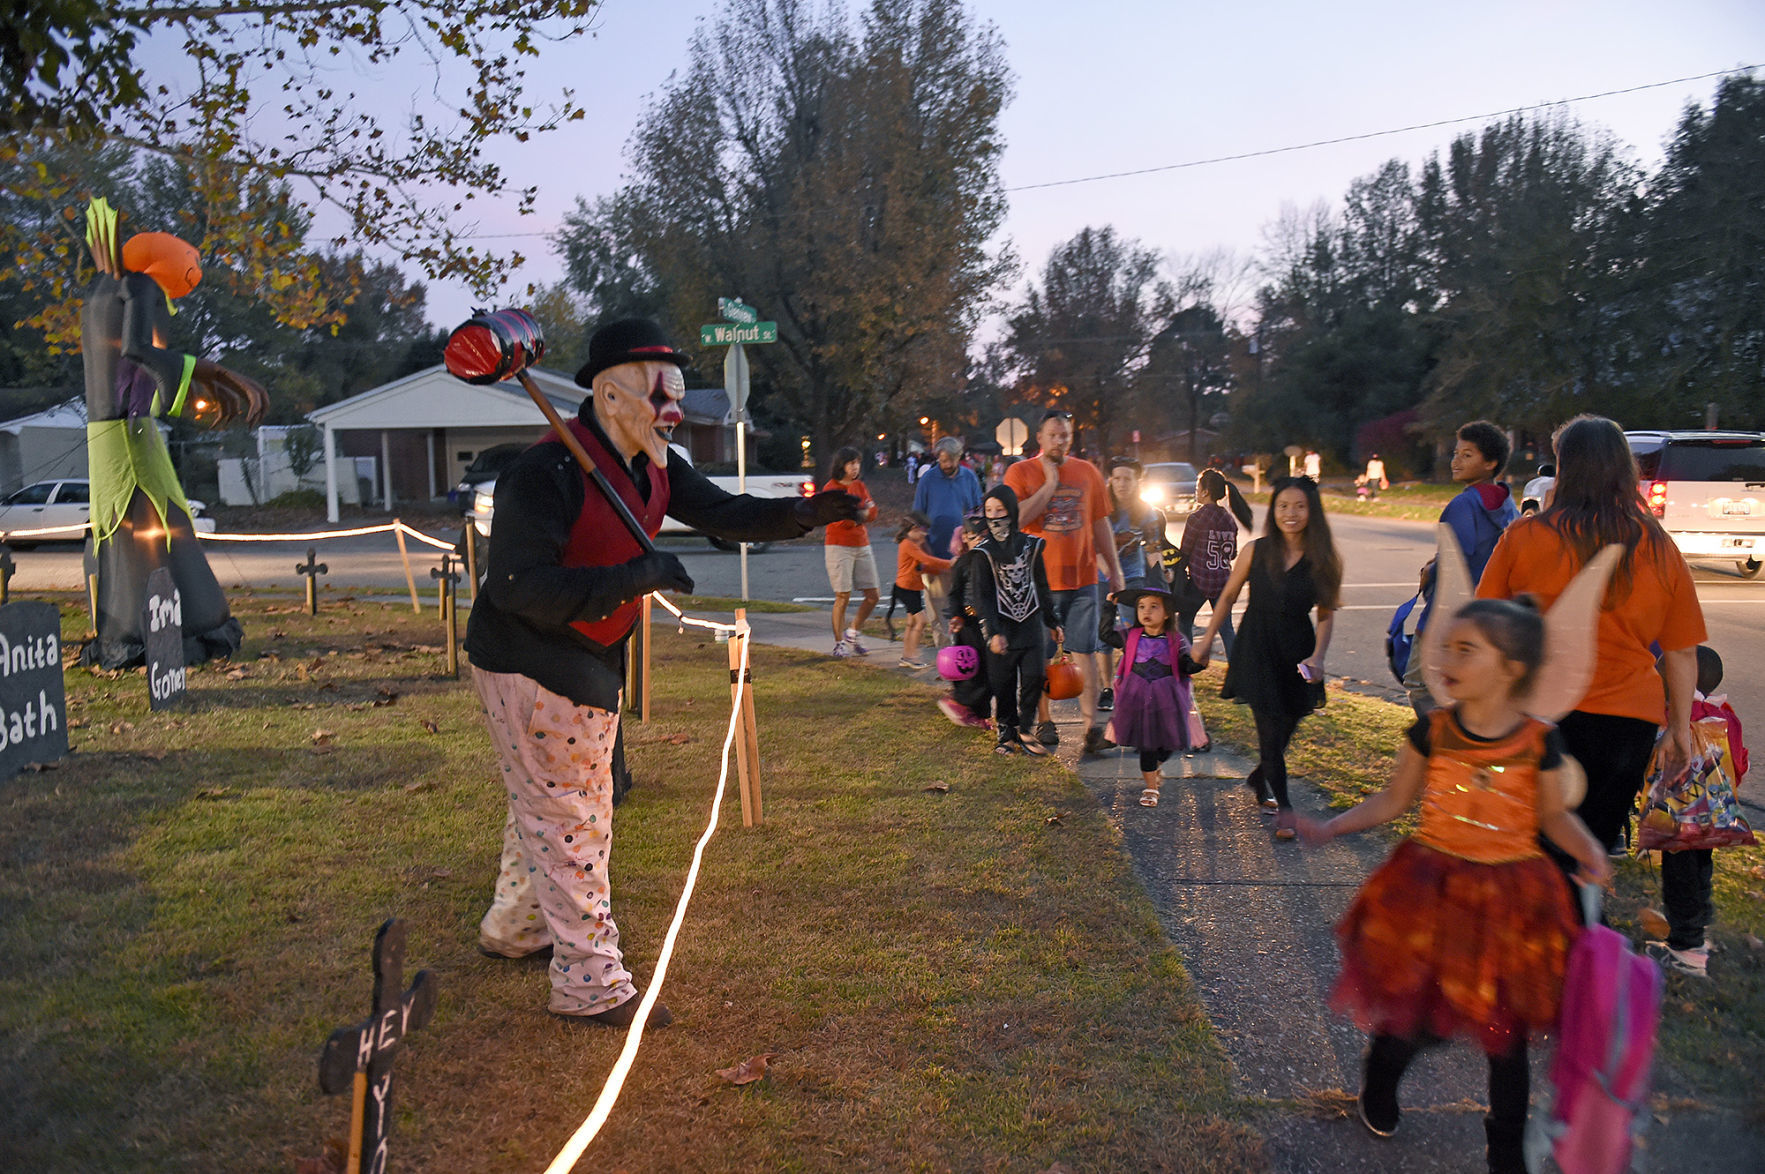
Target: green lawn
{"points": [[952, 980]]}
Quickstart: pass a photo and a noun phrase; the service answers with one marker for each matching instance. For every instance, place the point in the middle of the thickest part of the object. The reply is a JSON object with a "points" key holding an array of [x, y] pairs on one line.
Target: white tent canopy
{"points": [[433, 400]]}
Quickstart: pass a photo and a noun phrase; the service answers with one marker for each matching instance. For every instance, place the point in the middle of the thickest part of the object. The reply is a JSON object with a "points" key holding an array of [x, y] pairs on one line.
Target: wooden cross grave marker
{"points": [[358, 1059], [312, 570], [449, 575]]}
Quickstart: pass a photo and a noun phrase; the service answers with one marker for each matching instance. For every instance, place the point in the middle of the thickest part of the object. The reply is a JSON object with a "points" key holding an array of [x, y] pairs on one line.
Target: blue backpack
{"points": [[1399, 643]]}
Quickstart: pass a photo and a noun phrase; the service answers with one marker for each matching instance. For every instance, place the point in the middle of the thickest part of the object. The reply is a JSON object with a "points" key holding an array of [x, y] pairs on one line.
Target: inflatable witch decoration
{"points": [[140, 516]]}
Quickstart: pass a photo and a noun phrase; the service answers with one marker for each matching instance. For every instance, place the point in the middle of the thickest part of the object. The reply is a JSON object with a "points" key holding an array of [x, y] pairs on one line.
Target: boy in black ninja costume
{"points": [[1009, 592]]}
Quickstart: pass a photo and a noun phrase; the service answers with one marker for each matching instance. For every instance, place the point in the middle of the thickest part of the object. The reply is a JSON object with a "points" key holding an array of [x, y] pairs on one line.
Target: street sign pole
{"points": [[735, 385]]}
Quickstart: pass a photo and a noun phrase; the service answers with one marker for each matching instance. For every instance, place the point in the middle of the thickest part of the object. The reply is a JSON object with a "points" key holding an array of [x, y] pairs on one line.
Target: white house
{"points": [[43, 445], [425, 429]]}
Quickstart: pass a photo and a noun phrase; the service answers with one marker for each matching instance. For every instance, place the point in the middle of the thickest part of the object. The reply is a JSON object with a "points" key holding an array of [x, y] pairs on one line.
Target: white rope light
{"points": [[603, 1106]]}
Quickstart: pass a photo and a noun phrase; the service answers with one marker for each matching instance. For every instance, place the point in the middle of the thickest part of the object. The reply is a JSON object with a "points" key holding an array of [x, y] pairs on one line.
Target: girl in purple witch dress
{"points": [[1151, 685]]}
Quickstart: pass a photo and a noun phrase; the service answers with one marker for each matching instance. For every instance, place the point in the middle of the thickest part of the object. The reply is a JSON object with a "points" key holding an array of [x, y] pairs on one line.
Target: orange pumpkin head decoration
{"points": [[1063, 681], [174, 265]]}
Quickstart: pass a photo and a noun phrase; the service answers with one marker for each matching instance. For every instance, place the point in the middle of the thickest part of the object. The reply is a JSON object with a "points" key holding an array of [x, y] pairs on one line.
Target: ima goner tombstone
{"points": [[358, 1059]]}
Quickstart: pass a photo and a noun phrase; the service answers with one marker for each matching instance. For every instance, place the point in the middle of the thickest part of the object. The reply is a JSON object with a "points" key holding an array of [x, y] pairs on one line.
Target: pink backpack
{"points": [[1605, 1045]]}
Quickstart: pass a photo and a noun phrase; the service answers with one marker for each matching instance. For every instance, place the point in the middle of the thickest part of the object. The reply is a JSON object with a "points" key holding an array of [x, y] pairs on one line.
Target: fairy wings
{"points": [[1571, 628]]}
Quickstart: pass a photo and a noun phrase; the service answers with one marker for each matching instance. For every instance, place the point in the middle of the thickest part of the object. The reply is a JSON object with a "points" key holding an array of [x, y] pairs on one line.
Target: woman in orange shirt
{"points": [[1651, 601], [850, 565]]}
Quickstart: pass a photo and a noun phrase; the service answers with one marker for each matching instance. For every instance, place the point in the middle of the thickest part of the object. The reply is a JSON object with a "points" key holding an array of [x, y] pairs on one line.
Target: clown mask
{"points": [[638, 405]]}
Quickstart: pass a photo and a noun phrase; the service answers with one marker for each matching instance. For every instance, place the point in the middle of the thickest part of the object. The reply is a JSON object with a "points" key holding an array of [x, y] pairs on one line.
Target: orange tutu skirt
{"points": [[1439, 946]]}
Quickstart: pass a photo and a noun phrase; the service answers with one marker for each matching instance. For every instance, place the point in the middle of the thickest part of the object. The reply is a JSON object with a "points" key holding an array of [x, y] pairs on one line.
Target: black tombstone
{"points": [[33, 699]]}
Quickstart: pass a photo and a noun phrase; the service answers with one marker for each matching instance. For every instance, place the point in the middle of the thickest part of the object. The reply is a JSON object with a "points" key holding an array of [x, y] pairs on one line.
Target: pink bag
{"points": [[1605, 1046]]}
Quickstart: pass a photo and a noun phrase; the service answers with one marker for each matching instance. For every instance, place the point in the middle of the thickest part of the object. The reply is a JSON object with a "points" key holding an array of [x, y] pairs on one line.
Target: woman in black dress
{"points": [[1277, 663]]}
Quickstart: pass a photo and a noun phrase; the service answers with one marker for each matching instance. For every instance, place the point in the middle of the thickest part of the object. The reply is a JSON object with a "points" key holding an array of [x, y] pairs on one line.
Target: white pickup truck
{"points": [[476, 496]]}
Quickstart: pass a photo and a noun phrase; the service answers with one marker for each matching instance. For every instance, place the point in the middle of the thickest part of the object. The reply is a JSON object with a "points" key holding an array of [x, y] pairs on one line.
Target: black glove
{"points": [[659, 571], [1106, 630], [834, 505]]}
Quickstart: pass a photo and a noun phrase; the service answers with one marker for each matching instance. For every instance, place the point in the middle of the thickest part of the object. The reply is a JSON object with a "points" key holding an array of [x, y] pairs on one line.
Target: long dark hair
{"points": [[1320, 548], [842, 458], [1597, 503]]}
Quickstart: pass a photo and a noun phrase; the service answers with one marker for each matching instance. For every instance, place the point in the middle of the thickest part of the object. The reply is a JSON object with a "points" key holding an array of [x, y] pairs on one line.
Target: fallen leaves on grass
{"points": [[749, 1070], [322, 737], [420, 785], [1053, 821], [938, 788], [215, 793], [236, 675], [333, 1161], [1753, 942], [1652, 923], [122, 727], [430, 726]]}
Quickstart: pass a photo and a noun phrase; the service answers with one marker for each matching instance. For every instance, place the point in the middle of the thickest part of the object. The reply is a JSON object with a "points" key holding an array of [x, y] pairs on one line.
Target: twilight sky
{"points": [[1124, 84]]}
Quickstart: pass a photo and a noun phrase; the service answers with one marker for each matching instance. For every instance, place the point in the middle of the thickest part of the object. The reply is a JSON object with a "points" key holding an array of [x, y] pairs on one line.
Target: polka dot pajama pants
{"points": [[552, 889]]}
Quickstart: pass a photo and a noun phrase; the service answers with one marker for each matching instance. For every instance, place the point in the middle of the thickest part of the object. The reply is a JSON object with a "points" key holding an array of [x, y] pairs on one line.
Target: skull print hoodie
{"points": [[1008, 589]]}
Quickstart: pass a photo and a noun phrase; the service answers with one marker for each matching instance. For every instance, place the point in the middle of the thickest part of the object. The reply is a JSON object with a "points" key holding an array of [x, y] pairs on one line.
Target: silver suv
{"points": [[1708, 489]]}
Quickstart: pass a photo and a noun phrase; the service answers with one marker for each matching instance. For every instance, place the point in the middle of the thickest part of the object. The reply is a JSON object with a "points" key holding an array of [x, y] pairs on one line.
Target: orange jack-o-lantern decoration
{"points": [[174, 265], [1064, 681]]}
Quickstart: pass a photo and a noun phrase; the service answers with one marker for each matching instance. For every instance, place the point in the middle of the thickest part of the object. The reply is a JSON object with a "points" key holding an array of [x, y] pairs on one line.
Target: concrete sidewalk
{"points": [[1253, 920]]}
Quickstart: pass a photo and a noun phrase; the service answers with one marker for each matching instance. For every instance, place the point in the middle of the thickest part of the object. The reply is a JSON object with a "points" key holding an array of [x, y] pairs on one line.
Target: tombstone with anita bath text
{"points": [[33, 701]]}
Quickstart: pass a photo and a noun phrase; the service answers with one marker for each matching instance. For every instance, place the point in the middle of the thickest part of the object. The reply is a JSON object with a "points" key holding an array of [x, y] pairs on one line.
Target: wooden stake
{"points": [[747, 731], [469, 540], [644, 694], [358, 1104], [409, 579], [741, 740]]}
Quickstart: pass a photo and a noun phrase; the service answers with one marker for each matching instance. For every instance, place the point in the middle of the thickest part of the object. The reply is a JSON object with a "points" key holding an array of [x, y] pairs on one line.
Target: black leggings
{"points": [[1614, 751], [1273, 732], [1151, 760], [1016, 678], [1510, 1079]]}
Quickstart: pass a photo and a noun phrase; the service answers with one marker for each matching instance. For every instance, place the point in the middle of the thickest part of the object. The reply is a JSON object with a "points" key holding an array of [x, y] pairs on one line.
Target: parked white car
{"points": [[66, 505], [1536, 495], [1708, 490]]}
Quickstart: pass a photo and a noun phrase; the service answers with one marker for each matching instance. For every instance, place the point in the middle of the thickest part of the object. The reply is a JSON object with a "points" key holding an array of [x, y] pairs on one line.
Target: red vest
{"points": [[600, 539]]}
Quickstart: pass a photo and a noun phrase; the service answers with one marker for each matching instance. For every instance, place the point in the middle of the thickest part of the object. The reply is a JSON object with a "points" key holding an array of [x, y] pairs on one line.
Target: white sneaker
{"points": [[1693, 962], [841, 649], [856, 644]]}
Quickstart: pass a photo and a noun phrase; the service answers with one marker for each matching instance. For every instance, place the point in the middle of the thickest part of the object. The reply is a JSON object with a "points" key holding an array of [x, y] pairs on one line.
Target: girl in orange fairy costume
{"points": [[1465, 930]]}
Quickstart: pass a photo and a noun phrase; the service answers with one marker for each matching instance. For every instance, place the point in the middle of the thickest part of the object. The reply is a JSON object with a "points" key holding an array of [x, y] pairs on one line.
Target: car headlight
{"points": [[1152, 494], [483, 503]]}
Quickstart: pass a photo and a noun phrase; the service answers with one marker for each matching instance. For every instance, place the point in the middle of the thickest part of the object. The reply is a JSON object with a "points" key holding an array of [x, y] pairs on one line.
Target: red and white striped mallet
{"points": [[492, 347]]}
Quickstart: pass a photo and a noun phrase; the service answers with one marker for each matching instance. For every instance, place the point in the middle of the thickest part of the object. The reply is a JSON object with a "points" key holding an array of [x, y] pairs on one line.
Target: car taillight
{"points": [[1657, 498]]}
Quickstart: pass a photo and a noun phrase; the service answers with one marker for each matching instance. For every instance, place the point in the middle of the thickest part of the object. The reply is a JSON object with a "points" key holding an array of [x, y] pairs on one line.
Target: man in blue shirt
{"points": [[947, 492]]}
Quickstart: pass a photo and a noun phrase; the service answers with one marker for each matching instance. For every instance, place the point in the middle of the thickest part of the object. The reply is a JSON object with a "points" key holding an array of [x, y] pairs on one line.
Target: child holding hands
{"points": [[912, 562], [1152, 696], [1465, 930]]}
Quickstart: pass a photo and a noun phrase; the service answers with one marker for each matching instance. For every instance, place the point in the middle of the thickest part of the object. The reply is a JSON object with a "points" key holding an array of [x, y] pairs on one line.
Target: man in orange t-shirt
{"points": [[1062, 500]]}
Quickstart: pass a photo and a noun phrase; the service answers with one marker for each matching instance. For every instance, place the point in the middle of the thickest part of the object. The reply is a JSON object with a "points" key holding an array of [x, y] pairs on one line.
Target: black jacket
{"points": [[520, 621]]}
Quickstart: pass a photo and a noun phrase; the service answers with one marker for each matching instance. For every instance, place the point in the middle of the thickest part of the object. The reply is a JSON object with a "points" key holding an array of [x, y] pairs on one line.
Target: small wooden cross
{"points": [[358, 1059], [7, 566], [449, 575], [312, 570]]}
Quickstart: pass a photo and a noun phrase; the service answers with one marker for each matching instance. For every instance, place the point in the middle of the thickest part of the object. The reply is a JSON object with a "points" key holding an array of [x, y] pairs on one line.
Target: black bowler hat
{"points": [[629, 340]]}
